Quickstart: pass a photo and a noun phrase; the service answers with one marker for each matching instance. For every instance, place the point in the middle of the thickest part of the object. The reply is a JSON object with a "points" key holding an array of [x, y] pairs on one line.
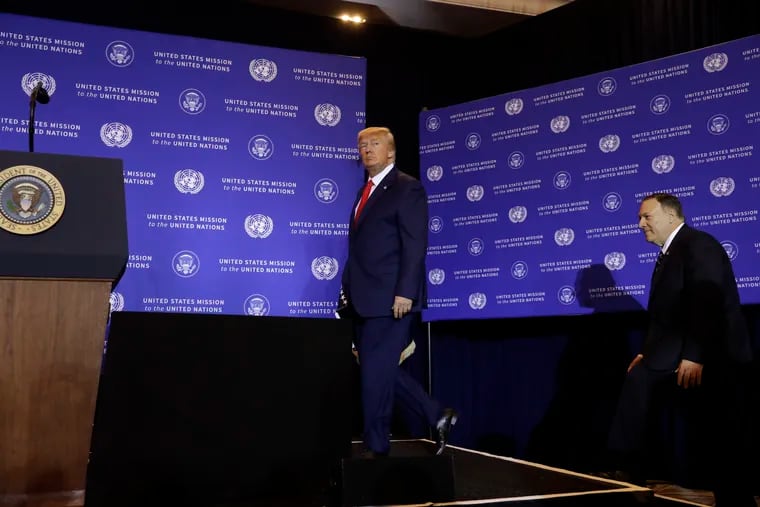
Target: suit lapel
{"points": [[376, 195], [673, 251]]}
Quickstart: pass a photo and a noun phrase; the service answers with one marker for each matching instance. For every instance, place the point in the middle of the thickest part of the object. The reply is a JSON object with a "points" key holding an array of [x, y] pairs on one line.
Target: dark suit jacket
{"points": [[694, 308], [387, 247]]}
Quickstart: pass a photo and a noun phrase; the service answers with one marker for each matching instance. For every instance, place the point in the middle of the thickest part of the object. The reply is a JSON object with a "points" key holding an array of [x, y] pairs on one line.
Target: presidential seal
{"points": [[31, 199]]}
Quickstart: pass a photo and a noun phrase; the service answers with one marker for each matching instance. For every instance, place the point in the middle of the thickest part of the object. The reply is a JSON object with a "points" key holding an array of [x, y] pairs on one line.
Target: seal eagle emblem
{"points": [[32, 200]]}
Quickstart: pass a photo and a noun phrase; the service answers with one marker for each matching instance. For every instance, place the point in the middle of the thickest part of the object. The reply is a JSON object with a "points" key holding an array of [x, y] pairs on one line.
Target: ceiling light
{"points": [[353, 19]]}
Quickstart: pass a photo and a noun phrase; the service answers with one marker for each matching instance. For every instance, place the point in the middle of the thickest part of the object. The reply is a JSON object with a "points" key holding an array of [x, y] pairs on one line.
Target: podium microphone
{"points": [[39, 94]]}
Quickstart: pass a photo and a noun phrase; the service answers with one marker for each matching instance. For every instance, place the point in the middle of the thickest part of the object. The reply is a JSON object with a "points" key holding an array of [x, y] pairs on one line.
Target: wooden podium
{"points": [[54, 304]]}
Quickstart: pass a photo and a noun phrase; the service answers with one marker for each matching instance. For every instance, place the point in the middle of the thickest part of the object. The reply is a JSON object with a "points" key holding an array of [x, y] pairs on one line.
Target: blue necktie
{"points": [[658, 262]]}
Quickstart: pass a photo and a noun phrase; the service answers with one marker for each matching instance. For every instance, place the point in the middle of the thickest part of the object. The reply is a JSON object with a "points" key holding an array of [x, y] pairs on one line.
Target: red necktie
{"points": [[363, 200]]}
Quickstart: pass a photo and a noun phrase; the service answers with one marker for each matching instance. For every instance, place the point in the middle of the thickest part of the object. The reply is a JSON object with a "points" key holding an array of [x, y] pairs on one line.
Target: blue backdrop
{"points": [[529, 189], [240, 161]]}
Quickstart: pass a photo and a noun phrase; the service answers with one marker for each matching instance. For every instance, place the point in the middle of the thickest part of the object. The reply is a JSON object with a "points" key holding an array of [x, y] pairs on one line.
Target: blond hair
{"points": [[379, 131]]}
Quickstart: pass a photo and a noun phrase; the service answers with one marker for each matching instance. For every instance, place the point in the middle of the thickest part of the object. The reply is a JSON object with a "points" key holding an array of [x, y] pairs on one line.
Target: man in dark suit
{"points": [[695, 352], [384, 282]]}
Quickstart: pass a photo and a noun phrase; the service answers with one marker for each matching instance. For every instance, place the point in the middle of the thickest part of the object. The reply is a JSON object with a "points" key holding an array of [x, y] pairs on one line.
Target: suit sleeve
{"points": [[705, 289], [412, 226], [346, 275]]}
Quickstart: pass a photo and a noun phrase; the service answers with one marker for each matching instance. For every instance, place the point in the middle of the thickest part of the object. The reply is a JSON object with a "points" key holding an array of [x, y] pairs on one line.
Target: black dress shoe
{"points": [[444, 425]]}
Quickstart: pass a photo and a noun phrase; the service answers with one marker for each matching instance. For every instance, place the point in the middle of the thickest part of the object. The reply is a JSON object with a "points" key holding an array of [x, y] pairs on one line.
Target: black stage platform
{"points": [[486, 479], [205, 422]]}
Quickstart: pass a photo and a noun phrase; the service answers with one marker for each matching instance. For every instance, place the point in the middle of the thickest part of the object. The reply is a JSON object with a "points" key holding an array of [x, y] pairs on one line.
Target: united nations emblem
{"points": [[475, 193], [263, 70], [609, 143], [31, 199], [560, 124], [189, 181], [477, 300], [29, 82], [513, 106], [436, 276], [434, 172], [116, 134], [715, 62], [518, 214], [324, 267], [258, 226], [116, 302], [722, 186], [615, 261], [327, 115], [564, 236], [663, 163]]}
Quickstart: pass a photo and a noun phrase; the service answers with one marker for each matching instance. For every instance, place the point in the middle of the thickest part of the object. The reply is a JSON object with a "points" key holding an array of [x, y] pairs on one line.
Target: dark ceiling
{"points": [[429, 15]]}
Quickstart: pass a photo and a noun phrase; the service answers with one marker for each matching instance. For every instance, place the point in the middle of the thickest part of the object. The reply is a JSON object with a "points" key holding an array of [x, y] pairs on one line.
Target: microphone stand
{"points": [[32, 107]]}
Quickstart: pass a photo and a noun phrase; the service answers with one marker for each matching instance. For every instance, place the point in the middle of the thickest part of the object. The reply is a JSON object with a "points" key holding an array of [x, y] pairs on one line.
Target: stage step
{"points": [[397, 480]]}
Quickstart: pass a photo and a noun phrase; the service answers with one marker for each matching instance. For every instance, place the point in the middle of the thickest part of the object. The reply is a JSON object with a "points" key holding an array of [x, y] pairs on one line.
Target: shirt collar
{"points": [[376, 179], [668, 241]]}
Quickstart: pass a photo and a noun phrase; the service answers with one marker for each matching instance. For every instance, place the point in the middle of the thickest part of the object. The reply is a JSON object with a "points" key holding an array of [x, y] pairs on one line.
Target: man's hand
{"points": [[401, 306], [636, 360], [689, 374]]}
